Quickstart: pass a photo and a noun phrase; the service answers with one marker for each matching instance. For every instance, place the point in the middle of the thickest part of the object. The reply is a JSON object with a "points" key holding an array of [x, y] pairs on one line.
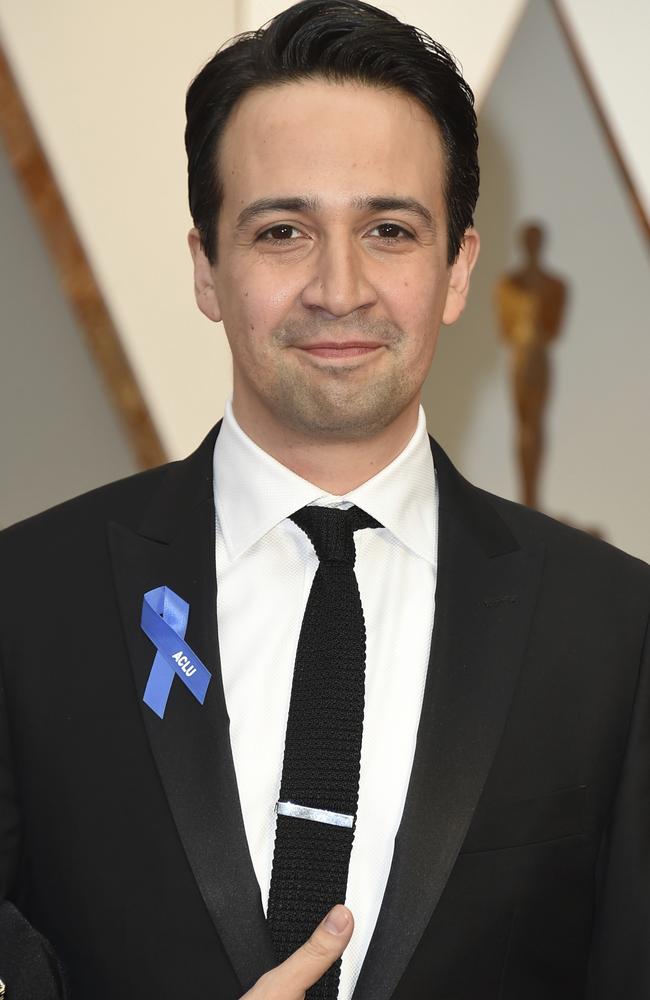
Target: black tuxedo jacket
{"points": [[522, 863]]}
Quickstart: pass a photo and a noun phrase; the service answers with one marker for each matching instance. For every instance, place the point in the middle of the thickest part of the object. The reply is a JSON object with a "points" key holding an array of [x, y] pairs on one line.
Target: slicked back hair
{"points": [[336, 40]]}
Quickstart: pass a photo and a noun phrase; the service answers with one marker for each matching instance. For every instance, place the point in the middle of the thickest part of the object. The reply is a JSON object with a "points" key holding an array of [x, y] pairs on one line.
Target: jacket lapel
{"points": [[174, 547], [485, 595]]}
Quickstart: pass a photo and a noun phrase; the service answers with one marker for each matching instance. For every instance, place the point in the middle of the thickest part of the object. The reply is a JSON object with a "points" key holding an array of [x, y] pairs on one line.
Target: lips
{"points": [[341, 349]]}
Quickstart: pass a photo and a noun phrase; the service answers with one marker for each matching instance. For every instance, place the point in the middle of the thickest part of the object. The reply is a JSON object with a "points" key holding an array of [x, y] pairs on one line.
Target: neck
{"points": [[336, 465]]}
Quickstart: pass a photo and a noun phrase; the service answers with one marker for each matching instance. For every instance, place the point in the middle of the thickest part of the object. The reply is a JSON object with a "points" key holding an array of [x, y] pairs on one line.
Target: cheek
{"points": [[250, 319], [258, 301], [242, 313], [419, 316], [417, 309], [417, 290], [281, 297]]}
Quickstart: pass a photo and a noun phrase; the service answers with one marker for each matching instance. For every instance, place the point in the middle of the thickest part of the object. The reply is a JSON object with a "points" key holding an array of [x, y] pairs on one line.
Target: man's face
{"points": [[331, 276]]}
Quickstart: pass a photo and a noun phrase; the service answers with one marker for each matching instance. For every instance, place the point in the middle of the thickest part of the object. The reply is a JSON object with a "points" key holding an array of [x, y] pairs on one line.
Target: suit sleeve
{"points": [[28, 966], [620, 959]]}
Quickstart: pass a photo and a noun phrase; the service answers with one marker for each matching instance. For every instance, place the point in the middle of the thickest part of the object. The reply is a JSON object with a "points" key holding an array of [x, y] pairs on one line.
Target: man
{"points": [[500, 843]]}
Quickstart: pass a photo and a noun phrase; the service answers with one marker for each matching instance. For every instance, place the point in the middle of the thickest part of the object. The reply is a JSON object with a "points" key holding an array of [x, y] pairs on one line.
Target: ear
{"points": [[204, 287], [461, 269]]}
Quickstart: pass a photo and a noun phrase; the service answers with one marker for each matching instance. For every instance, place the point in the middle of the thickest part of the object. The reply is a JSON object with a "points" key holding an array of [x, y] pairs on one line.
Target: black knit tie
{"points": [[322, 751]]}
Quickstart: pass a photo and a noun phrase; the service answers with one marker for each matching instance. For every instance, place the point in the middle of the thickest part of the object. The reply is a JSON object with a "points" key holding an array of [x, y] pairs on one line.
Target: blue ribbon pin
{"points": [[164, 621]]}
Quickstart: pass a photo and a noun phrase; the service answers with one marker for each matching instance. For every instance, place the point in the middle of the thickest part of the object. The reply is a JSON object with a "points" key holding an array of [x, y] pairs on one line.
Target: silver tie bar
{"points": [[316, 815]]}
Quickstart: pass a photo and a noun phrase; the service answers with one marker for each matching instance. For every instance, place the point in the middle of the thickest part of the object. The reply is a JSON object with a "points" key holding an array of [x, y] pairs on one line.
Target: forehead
{"points": [[336, 139]]}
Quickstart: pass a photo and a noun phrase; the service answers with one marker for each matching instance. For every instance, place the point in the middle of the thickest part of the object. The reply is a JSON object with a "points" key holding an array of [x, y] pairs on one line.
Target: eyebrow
{"points": [[265, 205], [369, 203], [363, 203]]}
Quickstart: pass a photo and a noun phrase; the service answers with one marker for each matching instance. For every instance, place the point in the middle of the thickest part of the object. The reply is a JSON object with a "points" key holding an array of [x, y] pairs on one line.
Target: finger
{"points": [[312, 960]]}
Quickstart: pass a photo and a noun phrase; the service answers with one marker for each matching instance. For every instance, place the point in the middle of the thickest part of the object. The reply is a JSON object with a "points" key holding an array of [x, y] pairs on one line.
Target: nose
{"points": [[339, 283]]}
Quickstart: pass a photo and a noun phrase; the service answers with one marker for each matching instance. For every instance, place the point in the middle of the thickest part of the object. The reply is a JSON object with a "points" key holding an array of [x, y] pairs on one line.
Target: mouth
{"points": [[340, 349]]}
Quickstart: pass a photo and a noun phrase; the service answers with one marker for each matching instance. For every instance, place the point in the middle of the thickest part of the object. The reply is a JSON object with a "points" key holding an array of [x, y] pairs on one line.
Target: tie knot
{"points": [[331, 530]]}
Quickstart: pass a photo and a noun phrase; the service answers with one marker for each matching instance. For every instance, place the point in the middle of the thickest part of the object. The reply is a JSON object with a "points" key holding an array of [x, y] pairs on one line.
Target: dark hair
{"points": [[335, 40]]}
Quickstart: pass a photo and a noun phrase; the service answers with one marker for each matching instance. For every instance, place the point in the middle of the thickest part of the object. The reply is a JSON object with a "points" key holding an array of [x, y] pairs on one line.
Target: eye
{"points": [[391, 232], [281, 233]]}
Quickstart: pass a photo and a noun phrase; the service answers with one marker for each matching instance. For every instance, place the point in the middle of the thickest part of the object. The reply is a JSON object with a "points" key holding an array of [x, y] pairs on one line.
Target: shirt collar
{"points": [[253, 492]]}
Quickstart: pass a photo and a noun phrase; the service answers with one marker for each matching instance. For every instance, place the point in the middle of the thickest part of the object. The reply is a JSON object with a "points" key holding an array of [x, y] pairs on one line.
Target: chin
{"points": [[343, 423]]}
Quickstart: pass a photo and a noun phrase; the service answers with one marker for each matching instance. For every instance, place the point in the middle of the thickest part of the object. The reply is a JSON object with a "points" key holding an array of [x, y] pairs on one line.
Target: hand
{"points": [[301, 970]]}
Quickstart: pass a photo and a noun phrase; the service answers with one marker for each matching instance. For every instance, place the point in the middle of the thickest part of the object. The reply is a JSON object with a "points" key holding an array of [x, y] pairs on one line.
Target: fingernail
{"points": [[336, 920]]}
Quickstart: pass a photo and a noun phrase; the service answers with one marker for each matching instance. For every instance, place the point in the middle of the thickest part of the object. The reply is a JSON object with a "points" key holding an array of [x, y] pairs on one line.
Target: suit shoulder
{"points": [[564, 542], [509, 525], [124, 500]]}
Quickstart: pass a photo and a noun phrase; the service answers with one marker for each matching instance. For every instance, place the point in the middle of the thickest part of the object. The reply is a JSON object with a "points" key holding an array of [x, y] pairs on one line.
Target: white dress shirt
{"points": [[265, 567]]}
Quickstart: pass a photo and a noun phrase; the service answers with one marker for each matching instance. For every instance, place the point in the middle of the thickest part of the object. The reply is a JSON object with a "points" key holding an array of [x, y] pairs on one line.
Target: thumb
{"points": [[312, 960]]}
